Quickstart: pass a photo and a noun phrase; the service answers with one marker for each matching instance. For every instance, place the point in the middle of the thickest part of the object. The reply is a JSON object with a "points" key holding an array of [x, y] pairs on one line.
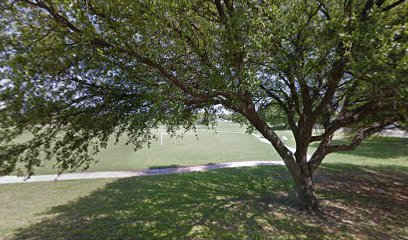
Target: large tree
{"points": [[76, 72]]}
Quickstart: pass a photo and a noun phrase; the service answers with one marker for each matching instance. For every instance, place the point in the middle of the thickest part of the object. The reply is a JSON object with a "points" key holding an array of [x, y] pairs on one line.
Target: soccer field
{"points": [[227, 143]]}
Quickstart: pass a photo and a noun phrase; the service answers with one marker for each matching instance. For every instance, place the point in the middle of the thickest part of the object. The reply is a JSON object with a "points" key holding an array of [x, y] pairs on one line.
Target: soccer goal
{"points": [[162, 138]]}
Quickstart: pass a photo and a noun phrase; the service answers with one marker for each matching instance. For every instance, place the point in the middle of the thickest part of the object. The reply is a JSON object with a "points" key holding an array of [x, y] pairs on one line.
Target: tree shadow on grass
{"points": [[244, 203], [373, 199], [376, 147]]}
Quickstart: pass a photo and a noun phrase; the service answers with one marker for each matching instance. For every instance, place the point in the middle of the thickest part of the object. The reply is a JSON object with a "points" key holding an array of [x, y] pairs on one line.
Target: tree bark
{"points": [[297, 163], [305, 192]]}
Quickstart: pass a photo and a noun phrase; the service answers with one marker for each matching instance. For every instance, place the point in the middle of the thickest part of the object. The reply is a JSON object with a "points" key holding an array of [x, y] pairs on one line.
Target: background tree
{"points": [[77, 72]]}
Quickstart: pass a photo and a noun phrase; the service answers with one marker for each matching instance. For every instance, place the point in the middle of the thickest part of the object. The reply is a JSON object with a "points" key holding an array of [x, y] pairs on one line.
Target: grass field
{"points": [[245, 203], [207, 147], [364, 194], [223, 146]]}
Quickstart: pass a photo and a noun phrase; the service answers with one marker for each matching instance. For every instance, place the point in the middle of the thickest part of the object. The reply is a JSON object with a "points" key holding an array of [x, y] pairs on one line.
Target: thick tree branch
{"points": [[248, 111], [103, 44], [334, 77], [220, 10], [367, 7], [348, 117], [320, 153], [393, 5], [360, 136], [325, 147], [286, 105], [293, 91], [57, 16], [316, 138], [324, 10]]}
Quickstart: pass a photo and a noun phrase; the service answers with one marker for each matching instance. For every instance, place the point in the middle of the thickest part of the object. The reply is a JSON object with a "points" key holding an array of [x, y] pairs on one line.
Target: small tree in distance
{"points": [[77, 72]]}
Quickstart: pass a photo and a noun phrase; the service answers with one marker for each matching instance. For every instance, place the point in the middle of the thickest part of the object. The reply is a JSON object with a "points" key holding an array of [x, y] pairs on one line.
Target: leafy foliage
{"points": [[77, 72]]}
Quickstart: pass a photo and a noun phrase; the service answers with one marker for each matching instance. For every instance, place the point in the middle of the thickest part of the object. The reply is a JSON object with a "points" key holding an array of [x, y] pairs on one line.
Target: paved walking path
{"points": [[122, 174]]}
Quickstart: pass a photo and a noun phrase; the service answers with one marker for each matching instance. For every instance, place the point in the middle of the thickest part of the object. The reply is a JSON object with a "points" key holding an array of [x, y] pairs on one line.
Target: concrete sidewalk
{"points": [[122, 174]]}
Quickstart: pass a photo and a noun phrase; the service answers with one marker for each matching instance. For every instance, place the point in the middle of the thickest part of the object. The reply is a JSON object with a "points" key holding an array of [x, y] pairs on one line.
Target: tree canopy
{"points": [[77, 72]]}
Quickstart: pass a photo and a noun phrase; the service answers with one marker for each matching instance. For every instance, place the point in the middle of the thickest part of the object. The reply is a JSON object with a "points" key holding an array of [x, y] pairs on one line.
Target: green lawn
{"points": [[244, 203], [207, 147], [376, 151], [364, 194], [24, 204], [211, 147]]}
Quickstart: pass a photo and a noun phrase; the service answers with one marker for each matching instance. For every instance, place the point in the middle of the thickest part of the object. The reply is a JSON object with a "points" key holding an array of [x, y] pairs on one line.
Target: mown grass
{"points": [[364, 194], [376, 151], [244, 203], [220, 146], [214, 146], [24, 204]]}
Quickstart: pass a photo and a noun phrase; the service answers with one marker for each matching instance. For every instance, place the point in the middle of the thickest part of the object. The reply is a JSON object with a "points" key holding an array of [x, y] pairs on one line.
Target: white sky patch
{"points": [[4, 84]]}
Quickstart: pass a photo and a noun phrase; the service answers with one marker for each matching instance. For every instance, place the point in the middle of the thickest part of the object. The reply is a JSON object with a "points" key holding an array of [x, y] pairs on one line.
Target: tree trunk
{"points": [[297, 163], [305, 193]]}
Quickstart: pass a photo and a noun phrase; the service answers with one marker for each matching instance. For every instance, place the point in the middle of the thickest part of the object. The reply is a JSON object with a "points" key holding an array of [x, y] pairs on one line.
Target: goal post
{"points": [[161, 139]]}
